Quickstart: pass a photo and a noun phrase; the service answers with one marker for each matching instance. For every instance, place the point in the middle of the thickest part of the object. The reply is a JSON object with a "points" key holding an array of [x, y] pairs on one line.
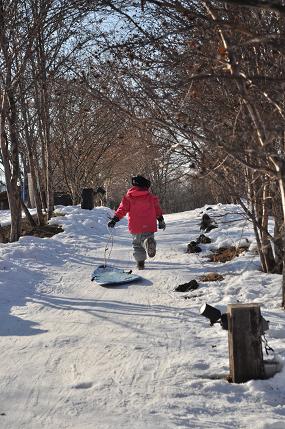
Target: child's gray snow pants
{"points": [[139, 246]]}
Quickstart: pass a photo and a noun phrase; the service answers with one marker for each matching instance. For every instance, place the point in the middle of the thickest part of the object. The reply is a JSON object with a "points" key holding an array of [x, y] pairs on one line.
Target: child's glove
{"points": [[161, 223], [113, 222]]}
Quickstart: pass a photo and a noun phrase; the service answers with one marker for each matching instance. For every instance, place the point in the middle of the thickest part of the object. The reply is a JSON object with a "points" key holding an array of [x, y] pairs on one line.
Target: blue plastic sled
{"points": [[106, 275]]}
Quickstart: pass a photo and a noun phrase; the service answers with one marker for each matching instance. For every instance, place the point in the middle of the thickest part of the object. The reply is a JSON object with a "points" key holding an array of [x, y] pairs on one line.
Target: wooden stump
{"points": [[245, 346]]}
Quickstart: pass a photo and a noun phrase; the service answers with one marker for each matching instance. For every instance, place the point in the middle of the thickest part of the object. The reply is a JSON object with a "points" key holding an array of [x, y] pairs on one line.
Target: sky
{"points": [[76, 355]]}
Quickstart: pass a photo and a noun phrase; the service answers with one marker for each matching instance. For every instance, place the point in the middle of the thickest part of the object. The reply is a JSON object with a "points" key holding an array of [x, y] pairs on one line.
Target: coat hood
{"points": [[136, 191]]}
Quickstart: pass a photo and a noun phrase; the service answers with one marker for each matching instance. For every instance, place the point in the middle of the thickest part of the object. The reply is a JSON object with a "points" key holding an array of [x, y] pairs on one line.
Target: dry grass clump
{"points": [[57, 214], [226, 254], [211, 277], [45, 231]]}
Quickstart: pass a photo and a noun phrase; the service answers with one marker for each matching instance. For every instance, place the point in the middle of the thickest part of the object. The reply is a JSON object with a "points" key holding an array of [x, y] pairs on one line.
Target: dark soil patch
{"points": [[226, 254], [45, 231], [186, 287], [203, 239], [207, 224], [193, 247]]}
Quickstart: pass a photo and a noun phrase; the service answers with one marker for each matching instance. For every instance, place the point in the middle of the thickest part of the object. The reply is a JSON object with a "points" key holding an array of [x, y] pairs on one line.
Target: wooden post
{"points": [[245, 347]]}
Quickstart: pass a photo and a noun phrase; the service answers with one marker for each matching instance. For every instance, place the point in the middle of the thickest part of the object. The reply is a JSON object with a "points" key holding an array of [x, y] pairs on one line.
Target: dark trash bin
{"points": [[87, 198]]}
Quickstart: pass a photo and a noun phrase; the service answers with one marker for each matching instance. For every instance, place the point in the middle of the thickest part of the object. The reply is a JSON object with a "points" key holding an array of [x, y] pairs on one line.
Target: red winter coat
{"points": [[143, 209]]}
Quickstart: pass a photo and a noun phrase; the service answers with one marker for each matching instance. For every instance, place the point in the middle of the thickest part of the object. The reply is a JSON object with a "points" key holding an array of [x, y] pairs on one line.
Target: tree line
{"points": [[190, 93]]}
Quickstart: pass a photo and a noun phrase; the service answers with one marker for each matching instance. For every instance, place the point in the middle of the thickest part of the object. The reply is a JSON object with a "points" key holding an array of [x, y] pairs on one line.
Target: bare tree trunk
{"points": [[14, 194], [45, 122], [278, 245], [10, 150], [32, 165], [253, 215], [265, 242], [283, 284], [282, 229], [11, 181]]}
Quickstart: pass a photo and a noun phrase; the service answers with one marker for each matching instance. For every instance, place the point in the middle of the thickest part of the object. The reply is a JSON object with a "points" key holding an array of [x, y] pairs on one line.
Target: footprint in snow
{"points": [[84, 385]]}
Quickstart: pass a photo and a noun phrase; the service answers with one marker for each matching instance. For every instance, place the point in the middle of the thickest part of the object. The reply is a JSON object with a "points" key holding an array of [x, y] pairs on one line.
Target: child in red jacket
{"points": [[143, 210]]}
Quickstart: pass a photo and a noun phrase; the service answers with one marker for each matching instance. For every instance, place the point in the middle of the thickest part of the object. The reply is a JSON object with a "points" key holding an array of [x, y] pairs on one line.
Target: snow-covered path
{"points": [[79, 356]]}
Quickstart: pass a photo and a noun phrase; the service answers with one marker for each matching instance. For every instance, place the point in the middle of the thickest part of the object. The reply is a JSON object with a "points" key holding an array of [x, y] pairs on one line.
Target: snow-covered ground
{"points": [[76, 355]]}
